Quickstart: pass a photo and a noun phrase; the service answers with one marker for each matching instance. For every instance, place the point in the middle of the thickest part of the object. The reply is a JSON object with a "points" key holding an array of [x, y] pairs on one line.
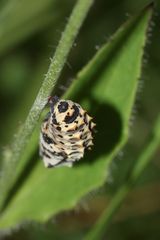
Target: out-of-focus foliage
{"points": [[23, 64], [104, 84]]}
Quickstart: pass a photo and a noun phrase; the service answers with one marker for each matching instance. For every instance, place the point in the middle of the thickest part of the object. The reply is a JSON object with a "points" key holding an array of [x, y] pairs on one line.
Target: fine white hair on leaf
{"points": [[69, 64], [63, 88]]}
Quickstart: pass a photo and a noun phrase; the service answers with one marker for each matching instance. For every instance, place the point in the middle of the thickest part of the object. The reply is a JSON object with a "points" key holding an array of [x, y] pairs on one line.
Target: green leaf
{"points": [[145, 157], [107, 88]]}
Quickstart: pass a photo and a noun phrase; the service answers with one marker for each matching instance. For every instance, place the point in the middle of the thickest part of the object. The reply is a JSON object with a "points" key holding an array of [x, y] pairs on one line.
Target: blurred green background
{"points": [[29, 33]]}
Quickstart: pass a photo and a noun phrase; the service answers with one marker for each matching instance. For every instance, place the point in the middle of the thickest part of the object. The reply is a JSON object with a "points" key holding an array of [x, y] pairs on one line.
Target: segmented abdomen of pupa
{"points": [[66, 133]]}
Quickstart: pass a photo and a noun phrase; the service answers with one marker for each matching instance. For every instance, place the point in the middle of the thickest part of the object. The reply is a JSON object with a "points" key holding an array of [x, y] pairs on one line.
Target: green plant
{"points": [[106, 86]]}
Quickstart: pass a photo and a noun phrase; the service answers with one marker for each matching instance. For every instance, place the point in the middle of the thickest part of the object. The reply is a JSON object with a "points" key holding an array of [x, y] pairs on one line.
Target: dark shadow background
{"points": [[22, 69], [105, 138]]}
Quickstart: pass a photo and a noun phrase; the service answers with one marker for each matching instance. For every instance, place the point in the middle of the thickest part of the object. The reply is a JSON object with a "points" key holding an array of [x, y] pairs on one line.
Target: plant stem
{"points": [[57, 62], [55, 68], [103, 223]]}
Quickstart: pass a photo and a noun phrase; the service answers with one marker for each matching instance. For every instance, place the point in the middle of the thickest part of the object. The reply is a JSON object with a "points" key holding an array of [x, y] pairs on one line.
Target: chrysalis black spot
{"points": [[63, 107]]}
